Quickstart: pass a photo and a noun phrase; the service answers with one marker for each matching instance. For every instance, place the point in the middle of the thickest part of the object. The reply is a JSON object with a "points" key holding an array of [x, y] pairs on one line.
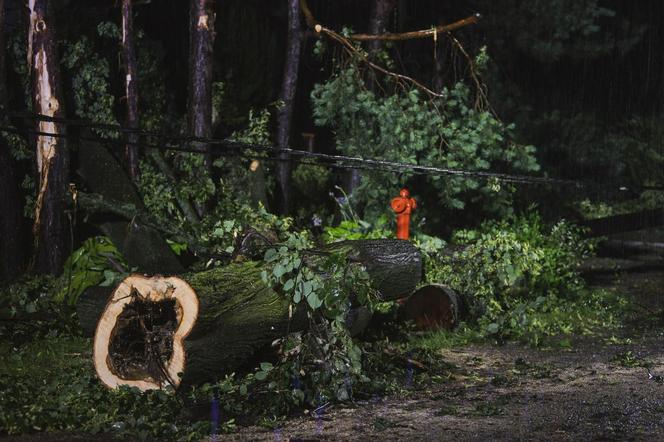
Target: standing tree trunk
{"points": [[287, 97], [12, 252], [3, 74], [201, 47], [50, 226], [131, 78], [378, 21]]}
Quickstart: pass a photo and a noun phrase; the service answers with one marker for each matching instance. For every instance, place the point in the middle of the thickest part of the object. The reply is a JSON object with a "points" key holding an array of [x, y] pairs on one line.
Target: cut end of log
{"points": [[139, 337], [433, 307]]}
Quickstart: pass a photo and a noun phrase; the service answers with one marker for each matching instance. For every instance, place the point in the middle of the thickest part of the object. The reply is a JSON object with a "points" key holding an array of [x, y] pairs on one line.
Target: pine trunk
{"points": [[201, 51], [287, 97], [131, 91], [50, 227]]}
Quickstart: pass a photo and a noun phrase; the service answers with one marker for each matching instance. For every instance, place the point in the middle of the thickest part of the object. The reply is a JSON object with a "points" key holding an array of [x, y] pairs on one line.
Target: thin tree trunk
{"points": [[12, 250], [50, 226], [287, 96], [131, 92], [378, 21], [201, 47], [3, 73], [378, 24]]}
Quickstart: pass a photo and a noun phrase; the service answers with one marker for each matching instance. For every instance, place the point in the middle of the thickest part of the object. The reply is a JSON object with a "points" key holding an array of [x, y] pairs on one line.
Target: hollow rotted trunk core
{"points": [[139, 336], [142, 341]]}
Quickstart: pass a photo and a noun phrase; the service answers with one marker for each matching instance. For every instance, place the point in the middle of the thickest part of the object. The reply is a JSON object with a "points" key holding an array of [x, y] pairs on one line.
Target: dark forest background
{"points": [[581, 81]]}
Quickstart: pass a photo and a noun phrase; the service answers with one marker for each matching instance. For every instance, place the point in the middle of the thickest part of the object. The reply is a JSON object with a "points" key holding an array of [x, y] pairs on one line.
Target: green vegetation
{"points": [[403, 127], [505, 101], [521, 282]]}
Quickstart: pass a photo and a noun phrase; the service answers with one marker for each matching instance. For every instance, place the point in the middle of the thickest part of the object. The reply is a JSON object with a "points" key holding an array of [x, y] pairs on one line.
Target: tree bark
{"points": [[50, 227], [131, 90], [378, 22], [394, 265], [201, 49], [287, 97]]}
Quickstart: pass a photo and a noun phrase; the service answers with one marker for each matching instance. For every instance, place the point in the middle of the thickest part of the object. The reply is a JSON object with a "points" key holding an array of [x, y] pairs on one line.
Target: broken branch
{"points": [[424, 33]]}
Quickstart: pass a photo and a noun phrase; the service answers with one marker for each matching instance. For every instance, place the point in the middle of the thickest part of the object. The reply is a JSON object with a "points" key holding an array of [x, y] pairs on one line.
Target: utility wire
{"points": [[222, 147]]}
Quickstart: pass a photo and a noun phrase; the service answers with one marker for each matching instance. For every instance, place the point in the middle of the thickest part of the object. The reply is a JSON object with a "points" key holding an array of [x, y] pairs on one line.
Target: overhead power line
{"points": [[225, 147]]}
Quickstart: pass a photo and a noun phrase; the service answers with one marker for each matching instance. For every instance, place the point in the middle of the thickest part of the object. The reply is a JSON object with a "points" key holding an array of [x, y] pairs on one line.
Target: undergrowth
{"points": [[519, 279]]}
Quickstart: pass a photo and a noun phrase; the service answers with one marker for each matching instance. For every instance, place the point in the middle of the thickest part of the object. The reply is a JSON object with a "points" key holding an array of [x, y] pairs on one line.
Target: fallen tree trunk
{"points": [[434, 307], [394, 265], [155, 331]]}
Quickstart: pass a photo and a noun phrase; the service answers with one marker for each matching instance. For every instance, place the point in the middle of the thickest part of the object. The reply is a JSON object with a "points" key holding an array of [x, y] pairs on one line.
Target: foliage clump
{"points": [[404, 126], [521, 280]]}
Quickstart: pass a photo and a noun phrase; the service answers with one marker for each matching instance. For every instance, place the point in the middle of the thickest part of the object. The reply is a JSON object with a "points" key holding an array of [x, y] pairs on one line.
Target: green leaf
{"points": [[307, 288], [288, 285], [314, 301], [493, 328], [279, 271], [266, 366], [270, 255]]}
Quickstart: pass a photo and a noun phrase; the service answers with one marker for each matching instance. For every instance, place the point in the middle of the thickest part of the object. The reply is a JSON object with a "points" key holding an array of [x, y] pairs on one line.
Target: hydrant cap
{"points": [[404, 193]]}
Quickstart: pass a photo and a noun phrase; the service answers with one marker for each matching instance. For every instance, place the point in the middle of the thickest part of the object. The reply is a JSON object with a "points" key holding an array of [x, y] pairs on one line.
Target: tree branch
{"points": [[424, 33], [95, 203], [187, 209], [352, 50], [313, 24]]}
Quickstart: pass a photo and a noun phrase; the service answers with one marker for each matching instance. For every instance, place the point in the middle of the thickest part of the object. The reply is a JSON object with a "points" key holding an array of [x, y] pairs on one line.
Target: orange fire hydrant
{"points": [[403, 206]]}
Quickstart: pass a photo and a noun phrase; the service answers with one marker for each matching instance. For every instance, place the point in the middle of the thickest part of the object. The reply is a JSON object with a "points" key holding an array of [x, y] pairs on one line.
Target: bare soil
{"points": [[598, 389]]}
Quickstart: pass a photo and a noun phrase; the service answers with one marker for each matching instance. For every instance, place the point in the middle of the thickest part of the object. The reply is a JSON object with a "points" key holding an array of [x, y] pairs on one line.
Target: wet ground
{"points": [[606, 387]]}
